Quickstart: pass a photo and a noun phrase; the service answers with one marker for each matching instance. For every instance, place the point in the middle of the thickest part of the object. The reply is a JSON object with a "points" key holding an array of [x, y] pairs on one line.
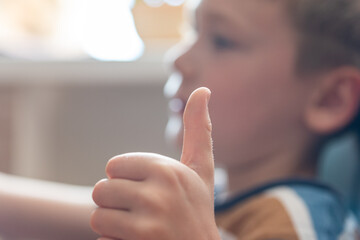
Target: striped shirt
{"points": [[286, 210]]}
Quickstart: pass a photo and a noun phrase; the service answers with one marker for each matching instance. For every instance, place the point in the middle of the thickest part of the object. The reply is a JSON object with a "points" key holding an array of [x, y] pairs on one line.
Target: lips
{"points": [[176, 106]]}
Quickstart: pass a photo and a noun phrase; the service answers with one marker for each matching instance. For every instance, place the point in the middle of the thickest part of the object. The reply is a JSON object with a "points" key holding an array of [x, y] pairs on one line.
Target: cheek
{"points": [[230, 109], [234, 94], [248, 110]]}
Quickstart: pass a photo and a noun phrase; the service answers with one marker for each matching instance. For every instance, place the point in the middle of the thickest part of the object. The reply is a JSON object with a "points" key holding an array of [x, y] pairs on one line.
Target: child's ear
{"points": [[335, 101]]}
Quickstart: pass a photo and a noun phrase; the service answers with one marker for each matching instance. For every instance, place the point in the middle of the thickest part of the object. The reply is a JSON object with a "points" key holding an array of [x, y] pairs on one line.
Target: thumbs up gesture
{"points": [[151, 197]]}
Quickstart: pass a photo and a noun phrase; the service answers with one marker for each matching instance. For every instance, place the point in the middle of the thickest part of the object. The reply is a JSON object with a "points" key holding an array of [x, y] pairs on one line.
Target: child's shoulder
{"points": [[291, 209]]}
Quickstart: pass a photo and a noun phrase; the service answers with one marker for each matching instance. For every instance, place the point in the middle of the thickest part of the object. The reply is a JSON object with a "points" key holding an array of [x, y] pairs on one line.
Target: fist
{"points": [[149, 196]]}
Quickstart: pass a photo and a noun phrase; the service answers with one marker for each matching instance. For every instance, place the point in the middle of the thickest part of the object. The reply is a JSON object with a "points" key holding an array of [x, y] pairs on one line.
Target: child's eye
{"points": [[221, 43]]}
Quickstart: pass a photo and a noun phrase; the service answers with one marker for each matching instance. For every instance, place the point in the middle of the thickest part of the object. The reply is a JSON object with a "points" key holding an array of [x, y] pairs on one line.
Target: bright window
{"points": [[115, 30]]}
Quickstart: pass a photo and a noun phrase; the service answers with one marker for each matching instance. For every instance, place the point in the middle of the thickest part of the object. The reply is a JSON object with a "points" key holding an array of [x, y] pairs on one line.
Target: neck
{"points": [[274, 168]]}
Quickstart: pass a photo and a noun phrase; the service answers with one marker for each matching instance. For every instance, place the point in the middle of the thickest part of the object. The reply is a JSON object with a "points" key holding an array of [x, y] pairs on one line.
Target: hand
{"points": [[149, 196]]}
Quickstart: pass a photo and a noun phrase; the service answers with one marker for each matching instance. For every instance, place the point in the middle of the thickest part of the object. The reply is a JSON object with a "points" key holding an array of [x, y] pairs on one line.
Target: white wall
{"points": [[68, 119]]}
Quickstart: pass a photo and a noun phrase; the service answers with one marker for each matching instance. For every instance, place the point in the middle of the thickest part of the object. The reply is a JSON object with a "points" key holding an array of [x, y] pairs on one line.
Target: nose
{"points": [[183, 70], [184, 63]]}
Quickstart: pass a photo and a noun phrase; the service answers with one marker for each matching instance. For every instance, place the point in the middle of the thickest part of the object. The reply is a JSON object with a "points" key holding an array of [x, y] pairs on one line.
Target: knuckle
{"points": [[169, 173], [145, 198], [178, 177], [97, 193], [149, 229], [153, 200], [112, 164], [96, 220], [180, 174]]}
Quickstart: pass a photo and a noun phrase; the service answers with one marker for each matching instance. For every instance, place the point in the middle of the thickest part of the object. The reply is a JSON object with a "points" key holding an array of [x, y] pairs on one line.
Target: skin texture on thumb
{"points": [[197, 152]]}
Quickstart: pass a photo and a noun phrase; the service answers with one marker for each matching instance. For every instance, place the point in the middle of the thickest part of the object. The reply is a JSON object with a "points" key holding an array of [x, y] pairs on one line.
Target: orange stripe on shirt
{"points": [[258, 218]]}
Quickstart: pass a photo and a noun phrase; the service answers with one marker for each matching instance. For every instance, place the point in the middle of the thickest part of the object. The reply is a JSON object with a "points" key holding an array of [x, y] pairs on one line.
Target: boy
{"points": [[285, 78]]}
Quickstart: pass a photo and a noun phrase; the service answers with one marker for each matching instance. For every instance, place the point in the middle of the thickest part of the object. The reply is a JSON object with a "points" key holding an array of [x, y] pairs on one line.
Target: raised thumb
{"points": [[197, 152]]}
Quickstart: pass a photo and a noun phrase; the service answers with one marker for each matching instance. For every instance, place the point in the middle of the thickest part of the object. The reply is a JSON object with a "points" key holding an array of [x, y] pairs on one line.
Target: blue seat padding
{"points": [[339, 166]]}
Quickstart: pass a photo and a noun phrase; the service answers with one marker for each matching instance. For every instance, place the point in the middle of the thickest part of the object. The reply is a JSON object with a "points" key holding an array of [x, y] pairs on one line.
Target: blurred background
{"points": [[82, 81]]}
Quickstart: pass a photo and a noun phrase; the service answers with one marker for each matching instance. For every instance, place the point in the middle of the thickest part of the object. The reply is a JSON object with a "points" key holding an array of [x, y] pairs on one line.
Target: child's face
{"points": [[245, 54]]}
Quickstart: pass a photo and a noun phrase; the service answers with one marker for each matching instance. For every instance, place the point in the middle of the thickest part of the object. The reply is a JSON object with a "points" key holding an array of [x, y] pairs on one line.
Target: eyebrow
{"points": [[215, 17]]}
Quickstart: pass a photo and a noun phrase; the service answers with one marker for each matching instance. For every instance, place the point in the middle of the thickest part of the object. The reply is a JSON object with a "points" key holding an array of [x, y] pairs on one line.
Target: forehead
{"points": [[264, 14]]}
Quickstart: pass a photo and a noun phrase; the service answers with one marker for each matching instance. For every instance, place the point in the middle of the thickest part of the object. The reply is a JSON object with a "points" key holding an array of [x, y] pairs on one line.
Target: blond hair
{"points": [[329, 37], [329, 33]]}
